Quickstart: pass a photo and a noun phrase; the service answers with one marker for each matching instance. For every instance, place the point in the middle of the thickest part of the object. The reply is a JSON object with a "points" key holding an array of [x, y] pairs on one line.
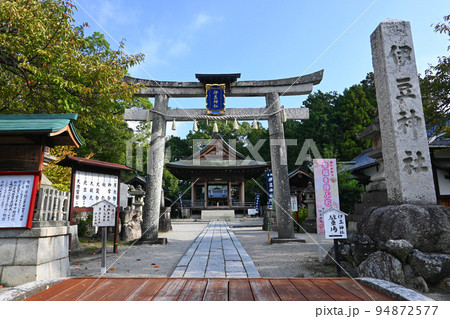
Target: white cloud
{"points": [[161, 45], [178, 48], [201, 20]]}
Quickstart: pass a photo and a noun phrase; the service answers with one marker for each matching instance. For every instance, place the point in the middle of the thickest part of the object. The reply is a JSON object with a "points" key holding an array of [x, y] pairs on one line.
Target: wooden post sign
{"points": [[334, 222], [104, 214], [17, 197]]}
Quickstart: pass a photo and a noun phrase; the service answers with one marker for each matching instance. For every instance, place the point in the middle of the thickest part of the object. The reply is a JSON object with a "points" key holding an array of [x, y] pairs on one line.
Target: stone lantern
{"points": [[310, 200], [137, 198]]}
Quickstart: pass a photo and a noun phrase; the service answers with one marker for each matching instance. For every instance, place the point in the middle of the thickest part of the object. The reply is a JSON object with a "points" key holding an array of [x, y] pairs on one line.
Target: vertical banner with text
{"points": [[257, 201], [326, 188], [269, 183]]}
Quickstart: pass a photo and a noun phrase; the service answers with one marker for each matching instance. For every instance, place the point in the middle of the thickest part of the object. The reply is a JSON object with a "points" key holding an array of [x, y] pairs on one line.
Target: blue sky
{"points": [[260, 39]]}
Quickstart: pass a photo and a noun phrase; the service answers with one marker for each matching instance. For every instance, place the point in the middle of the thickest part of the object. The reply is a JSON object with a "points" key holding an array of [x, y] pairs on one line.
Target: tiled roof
{"points": [[71, 161], [49, 124], [362, 160]]}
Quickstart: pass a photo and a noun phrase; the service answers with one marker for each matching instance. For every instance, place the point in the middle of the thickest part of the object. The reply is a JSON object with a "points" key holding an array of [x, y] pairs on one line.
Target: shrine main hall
{"points": [[217, 173]]}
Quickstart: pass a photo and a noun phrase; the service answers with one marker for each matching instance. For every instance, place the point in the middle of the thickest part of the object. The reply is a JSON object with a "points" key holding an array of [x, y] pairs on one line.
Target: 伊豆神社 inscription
{"points": [[406, 156], [215, 99]]}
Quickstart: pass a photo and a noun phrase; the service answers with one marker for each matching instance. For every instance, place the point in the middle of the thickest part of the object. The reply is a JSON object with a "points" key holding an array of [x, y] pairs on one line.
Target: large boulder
{"points": [[427, 228], [384, 266], [361, 246], [400, 248], [432, 267], [131, 221]]}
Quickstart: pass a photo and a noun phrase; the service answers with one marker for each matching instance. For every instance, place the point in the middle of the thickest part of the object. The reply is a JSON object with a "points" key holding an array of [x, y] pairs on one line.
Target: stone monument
{"points": [[406, 156]]}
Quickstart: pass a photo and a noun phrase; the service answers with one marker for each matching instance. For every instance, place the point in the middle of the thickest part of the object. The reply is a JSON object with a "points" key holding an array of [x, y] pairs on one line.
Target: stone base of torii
{"points": [[274, 113]]}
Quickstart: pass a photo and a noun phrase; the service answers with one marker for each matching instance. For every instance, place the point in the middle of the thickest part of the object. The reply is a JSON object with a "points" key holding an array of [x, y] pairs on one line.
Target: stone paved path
{"points": [[216, 253]]}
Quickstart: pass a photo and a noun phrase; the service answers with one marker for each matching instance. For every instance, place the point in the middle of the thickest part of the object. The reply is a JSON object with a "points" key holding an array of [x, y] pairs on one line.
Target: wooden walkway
{"points": [[213, 289]]}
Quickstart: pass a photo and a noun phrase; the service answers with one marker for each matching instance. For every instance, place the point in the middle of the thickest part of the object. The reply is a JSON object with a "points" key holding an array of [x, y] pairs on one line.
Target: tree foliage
{"points": [[60, 176], [435, 87], [48, 66], [356, 114]]}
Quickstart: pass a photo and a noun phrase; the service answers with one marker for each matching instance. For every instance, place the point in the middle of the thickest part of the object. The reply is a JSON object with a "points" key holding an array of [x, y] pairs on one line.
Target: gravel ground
{"points": [[139, 260], [284, 260], [276, 260]]}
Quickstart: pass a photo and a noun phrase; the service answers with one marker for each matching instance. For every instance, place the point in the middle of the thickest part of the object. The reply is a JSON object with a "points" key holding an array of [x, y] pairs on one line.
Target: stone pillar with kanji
{"points": [[406, 156]]}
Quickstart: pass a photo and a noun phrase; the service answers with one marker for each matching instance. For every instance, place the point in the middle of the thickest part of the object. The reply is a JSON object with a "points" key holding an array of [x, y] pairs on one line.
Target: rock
{"points": [[349, 270], [131, 221], [329, 258], [432, 267], [413, 281], [400, 248], [361, 246], [445, 285], [408, 271], [427, 228], [384, 266], [417, 283]]}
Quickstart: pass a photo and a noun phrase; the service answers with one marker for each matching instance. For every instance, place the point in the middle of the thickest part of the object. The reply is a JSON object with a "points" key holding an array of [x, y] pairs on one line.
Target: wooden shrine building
{"points": [[218, 173]]}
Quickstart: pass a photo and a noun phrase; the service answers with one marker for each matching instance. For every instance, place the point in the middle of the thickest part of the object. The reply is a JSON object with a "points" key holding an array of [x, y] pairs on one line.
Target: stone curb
{"points": [[393, 290], [22, 292]]}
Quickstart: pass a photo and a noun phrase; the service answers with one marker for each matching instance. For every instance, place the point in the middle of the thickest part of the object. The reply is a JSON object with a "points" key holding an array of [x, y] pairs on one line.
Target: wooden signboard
{"points": [[94, 181], [104, 214], [90, 188], [17, 197], [334, 221]]}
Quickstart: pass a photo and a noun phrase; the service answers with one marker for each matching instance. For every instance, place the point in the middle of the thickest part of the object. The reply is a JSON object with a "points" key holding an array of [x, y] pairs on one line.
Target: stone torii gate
{"points": [[161, 113]]}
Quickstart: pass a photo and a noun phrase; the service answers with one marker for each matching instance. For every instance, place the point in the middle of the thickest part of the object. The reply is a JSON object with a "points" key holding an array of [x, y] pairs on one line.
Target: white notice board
{"points": [[90, 188], [16, 194], [334, 222], [104, 214]]}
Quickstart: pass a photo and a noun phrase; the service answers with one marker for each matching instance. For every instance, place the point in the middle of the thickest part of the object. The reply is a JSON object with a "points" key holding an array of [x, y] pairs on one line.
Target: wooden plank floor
{"points": [[212, 289]]}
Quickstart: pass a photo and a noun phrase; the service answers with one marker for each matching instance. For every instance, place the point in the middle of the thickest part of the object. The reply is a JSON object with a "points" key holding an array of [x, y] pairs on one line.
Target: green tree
{"points": [[60, 176], [349, 191], [105, 141], [324, 125], [48, 66], [435, 88], [357, 113]]}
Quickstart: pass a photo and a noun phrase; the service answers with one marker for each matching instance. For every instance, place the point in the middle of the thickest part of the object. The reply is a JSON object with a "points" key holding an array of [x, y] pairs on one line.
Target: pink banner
{"points": [[326, 187]]}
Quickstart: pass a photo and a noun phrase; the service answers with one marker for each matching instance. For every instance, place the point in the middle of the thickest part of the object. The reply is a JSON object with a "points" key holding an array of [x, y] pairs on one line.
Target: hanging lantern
{"points": [[215, 128], [255, 125], [174, 125], [195, 128], [235, 125]]}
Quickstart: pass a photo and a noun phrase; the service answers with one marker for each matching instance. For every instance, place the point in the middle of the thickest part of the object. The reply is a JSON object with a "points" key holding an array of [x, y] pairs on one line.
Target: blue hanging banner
{"points": [[257, 200], [269, 183], [215, 99]]}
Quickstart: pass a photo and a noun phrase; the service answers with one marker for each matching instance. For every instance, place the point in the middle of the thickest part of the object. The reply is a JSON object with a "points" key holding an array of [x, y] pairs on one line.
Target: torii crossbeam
{"points": [[161, 113]]}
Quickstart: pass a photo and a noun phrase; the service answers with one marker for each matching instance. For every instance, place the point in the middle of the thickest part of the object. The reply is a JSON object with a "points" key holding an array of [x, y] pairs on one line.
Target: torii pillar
{"points": [[270, 89], [155, 173], [278, 157]]}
